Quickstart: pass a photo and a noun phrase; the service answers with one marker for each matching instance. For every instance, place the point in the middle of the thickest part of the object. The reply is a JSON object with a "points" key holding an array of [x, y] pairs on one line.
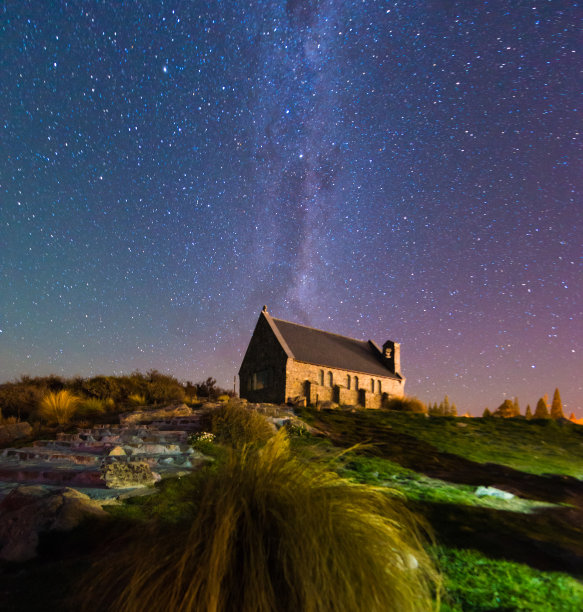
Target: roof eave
{"points": [[277, 333]]}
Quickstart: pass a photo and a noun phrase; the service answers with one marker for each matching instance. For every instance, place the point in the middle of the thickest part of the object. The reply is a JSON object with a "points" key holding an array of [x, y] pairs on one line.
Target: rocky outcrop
{"points": [[28, 511]]}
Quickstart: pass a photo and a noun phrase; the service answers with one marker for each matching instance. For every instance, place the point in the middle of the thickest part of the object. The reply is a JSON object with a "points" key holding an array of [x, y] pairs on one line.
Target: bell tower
{"points": [[392, 356]]}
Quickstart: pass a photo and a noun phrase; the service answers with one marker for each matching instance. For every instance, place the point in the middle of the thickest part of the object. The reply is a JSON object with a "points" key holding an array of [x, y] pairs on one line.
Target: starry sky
{"points": [[407, 170]]}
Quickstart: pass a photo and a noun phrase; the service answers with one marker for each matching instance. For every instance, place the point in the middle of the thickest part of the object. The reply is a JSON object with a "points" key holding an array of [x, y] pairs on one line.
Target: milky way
{"points": [[404, 170]]}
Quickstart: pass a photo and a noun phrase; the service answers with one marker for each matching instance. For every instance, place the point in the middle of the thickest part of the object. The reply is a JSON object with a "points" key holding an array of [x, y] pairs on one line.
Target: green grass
{"points": [[535, 447], [475, 582], [419, 488]]}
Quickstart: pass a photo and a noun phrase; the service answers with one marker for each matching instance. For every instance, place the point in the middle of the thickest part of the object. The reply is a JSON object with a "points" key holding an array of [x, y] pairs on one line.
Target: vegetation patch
{"points": [[418, 488], [268, 532], [475, 582]]}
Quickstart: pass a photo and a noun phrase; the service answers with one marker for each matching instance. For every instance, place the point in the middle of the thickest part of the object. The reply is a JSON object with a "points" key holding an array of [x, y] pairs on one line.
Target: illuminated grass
{"points": [[535, 447], [475, 582], [269, 532], [58, 407], [235, 425], [419, 488]]}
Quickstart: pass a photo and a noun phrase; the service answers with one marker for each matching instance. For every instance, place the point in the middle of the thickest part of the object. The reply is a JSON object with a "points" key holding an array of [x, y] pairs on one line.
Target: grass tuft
{"points": [[91, 407], [58, 407], [270, 532], [237, 426]]}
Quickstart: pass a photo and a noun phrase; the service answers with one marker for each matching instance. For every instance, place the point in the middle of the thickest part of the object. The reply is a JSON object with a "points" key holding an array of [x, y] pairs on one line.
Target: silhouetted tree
{"points": [[557, 406], [528, 413], [516, 407], [541, 411], [507, 409], [486, 413], [207, 388]]}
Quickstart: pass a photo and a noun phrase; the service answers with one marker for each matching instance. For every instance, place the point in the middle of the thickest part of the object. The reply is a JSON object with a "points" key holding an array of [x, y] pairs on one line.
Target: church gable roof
{"points": [[330, 350]]}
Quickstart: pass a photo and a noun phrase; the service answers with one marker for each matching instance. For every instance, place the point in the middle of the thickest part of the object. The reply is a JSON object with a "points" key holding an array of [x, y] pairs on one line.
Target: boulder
{"points": [[125, 475], [117, 451], [28, 511], [493, 492]]}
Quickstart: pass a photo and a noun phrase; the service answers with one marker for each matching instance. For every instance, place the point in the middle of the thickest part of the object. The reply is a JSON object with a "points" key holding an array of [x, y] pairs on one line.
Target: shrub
{"points": [[163, 388], [270, 532], [236, 425], [203, 442], [58, 407], [406, 404]]}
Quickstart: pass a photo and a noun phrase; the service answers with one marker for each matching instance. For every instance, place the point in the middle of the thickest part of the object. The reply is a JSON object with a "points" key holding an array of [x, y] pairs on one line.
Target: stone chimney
{"points": [[392, 356]]}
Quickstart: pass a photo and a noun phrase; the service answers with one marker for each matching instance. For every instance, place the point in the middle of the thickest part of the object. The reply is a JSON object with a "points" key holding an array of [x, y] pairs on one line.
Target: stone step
{"points": [[52, 474], [51, 455]]}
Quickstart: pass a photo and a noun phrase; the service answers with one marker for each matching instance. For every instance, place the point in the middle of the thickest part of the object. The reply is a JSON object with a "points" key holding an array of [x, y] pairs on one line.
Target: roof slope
{"points": [[331, 350]]}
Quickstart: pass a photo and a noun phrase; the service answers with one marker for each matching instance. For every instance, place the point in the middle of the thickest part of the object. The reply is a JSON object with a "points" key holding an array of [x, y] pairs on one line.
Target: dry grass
{"points": [[91, 407], [236, 425], [58, 407], [271, 533]]}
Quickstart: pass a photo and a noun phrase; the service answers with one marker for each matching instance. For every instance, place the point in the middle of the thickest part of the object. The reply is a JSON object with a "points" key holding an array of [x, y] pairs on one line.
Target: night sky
{"points": [[404, 170]]}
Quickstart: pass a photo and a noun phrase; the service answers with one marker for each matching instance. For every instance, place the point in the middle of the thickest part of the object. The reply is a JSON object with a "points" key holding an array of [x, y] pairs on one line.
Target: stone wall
{"points": [[305, 379], [264, 357]]}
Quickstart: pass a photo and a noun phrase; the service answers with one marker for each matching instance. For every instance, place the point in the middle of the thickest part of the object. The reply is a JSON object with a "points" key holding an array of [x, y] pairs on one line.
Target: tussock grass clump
{"points": [[270, 533], [91, 407], [58, 407], [236, 425], [137, 400]]}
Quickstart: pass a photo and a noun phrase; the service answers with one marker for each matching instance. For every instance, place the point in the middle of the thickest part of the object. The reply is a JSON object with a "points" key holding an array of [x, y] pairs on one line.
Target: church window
{"points": [[330, 379], [260, 380], [348, 381], [322, 378], [356, 382], [379, 387], [372, 385]]}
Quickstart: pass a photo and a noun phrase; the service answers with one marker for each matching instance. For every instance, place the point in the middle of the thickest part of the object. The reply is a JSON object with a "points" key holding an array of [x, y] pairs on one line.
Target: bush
{"points": [[267, 533], [406, 404], [58, 407], [236, 425], [203, 442]]}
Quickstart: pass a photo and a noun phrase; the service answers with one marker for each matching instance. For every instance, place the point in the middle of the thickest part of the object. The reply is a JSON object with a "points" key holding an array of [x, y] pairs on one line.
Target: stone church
{"points": [[286, 361]]}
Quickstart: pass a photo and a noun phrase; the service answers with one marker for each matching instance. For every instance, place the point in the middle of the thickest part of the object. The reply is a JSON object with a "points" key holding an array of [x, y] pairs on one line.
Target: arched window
{"points": [[322, 378], [348, 381], [356, 382], [379, 387], [330, 379], [372, 385]]}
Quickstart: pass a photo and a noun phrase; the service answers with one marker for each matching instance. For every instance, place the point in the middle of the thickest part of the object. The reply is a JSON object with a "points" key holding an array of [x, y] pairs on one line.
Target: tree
{"points": [[528, 413], [434, 410], [208, 388], [516, 407], [486, 413], [445, 407], [507, 409], [557, 406], [541, 411]]}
